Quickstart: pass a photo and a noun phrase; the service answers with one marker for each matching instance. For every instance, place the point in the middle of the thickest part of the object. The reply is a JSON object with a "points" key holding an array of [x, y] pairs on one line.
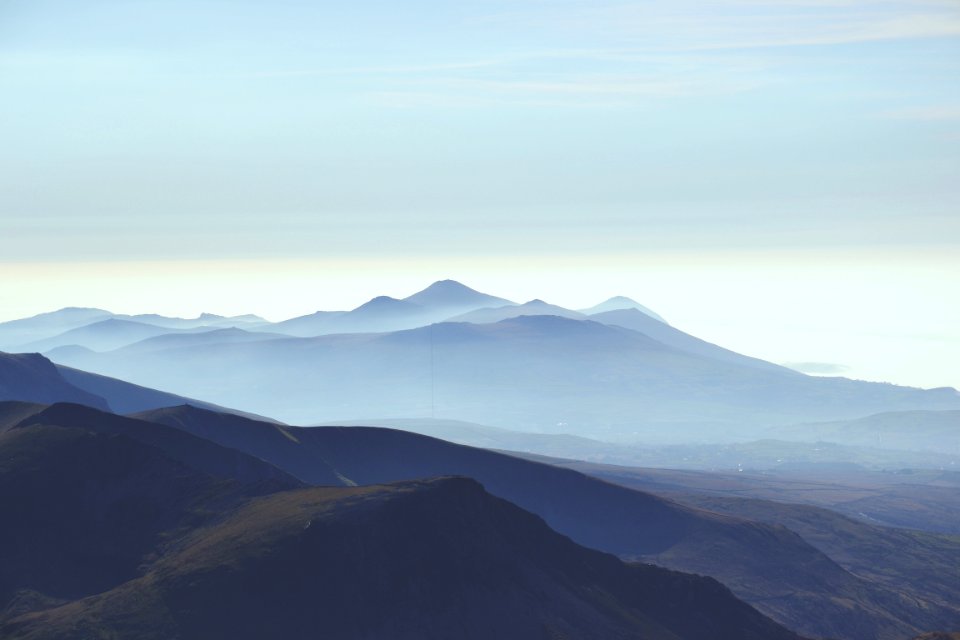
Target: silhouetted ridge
{"points": [[430, 559], [125, 397], [757, 561], [83, 510], [198, 453], [13, 412], [32, 378], [274, 443]]}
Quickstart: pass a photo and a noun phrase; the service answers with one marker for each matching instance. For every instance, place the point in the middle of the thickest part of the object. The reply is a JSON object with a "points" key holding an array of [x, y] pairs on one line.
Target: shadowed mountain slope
{"points": [[30, 377], [94, 503], [198, 453], [424, 560], [916, 563], [771, 567], [83, 508], [922, 566], [637, 320], [279, 445], [13, 412]]}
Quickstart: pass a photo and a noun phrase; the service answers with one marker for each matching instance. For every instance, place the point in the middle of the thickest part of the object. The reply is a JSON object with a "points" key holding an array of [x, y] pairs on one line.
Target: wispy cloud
{"points": [[933, 113], [745, 24]]}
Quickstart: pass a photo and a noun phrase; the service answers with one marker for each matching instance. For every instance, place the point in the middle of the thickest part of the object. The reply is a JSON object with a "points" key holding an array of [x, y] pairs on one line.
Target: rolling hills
{"points": [[770, 567], [529, 373], [116, 527]]}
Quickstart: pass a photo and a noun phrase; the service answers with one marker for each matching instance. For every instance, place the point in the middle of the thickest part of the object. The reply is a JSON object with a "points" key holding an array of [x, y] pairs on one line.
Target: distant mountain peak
{"points": [[619, 303], [452, 294], [448, 284]]}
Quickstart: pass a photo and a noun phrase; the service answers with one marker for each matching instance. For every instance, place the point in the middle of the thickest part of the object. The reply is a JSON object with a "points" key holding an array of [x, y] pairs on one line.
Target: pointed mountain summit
{"points": [[617, 303], [436, 303], [450, 294]]}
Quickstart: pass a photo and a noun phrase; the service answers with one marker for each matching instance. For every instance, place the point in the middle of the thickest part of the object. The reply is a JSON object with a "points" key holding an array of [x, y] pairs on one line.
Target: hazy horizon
{"points": [[886, 324], [780, 178]]}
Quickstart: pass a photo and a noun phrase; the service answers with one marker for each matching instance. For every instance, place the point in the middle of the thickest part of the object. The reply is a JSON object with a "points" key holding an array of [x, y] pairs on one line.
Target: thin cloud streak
{"points": [[694, 27], [928, 113]]}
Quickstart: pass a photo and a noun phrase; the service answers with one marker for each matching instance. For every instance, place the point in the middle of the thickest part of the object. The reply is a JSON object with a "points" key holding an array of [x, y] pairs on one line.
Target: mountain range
{"points": [[532, 373], [33, 378], [117, 527], [452, 352], [765, 564]]}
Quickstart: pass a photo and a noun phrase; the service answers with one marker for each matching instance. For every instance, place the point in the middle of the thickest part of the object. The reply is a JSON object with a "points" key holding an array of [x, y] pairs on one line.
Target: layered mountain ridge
{"points": [[137, 543]]}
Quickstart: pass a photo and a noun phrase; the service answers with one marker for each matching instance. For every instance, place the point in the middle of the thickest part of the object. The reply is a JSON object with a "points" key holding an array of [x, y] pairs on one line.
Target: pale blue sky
{"points": [[530, 131]]}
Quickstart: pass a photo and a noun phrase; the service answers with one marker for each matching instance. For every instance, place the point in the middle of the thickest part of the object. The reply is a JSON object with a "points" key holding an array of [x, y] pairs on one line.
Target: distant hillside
{"points": [[932, 431], [37, 333], [18, 332], [202, 338], [437, 302], [529, 373], [533, 308], [643, 323], [754, 455], [31, 377], [923, 499], [102, 335]]}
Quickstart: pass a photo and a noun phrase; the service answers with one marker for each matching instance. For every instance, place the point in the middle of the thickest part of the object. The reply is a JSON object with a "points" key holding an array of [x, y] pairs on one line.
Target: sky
{"points": [[782, 178]]}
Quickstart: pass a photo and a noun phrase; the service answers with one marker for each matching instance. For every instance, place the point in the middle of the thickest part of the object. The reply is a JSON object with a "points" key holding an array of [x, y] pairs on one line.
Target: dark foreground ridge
{"points": [[106, 534], [768, 566]]}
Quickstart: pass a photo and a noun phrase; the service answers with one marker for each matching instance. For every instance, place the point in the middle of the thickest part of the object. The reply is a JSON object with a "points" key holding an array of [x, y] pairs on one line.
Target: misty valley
{"points": [[453, 464]]}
